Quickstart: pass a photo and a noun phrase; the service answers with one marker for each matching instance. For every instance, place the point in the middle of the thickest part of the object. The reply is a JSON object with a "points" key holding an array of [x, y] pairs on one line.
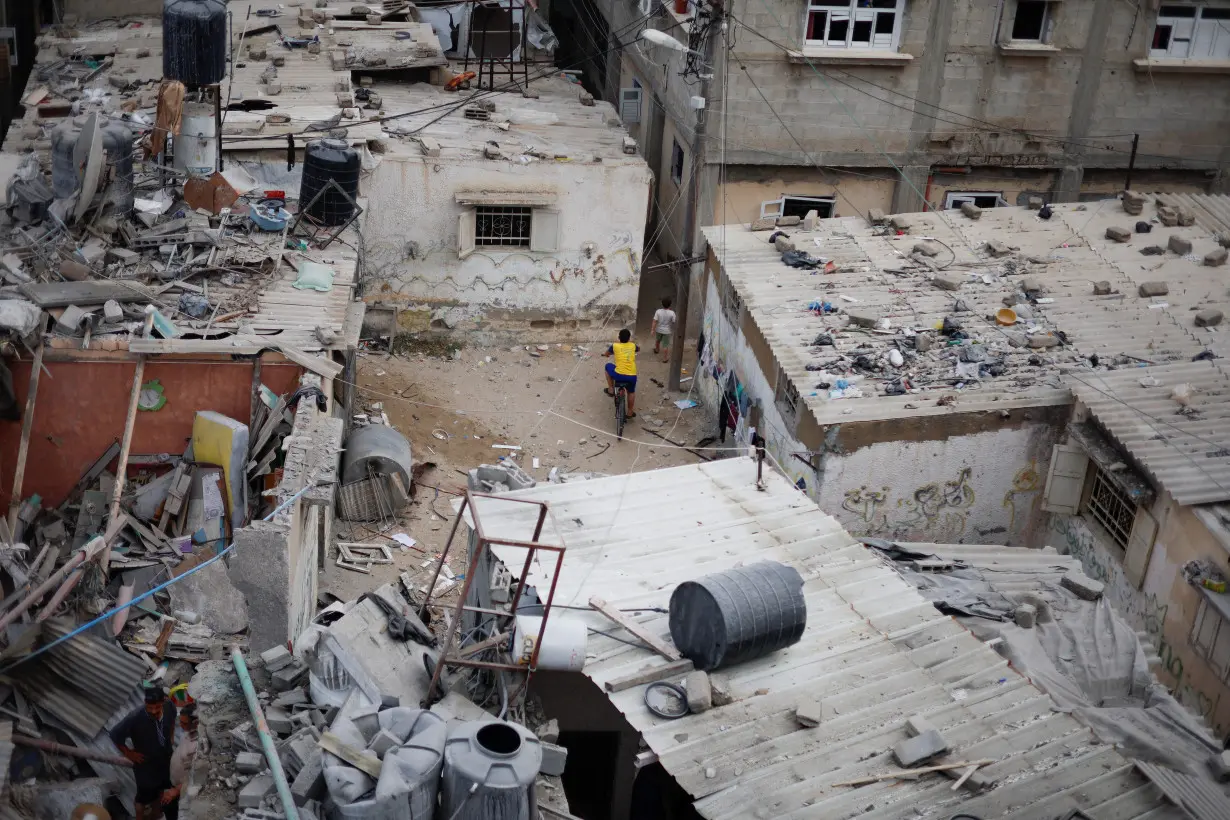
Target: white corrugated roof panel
{"points": [[874, 650]]}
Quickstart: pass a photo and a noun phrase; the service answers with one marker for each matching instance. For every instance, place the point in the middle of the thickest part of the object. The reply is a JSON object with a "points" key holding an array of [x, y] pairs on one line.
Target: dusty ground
{"points": [[549, 402]]}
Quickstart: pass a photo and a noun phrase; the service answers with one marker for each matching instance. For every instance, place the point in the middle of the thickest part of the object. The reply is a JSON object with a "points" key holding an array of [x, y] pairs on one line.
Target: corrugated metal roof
{"points": [[873, 649], [1200, 798], [1066, 254], [1212, 210], [1186, 453], [83, 681]]}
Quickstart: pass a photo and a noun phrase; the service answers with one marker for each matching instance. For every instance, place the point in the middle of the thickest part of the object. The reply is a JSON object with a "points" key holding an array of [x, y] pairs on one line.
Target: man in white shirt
{"points": [[662, 329]]}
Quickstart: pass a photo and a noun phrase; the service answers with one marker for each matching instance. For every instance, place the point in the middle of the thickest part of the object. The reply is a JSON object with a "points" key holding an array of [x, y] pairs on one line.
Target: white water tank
{"points": [[563, 644], [196, 147], [489, 771]]}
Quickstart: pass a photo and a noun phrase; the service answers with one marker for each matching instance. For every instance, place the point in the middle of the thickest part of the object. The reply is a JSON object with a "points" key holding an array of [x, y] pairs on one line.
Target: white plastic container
{"points": [[196, 147], [563, 644]]}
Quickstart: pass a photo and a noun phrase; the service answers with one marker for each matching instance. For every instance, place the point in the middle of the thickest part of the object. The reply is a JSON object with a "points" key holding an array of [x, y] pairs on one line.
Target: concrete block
{"points": [[919, 749], [289, 677], [1032, 285], [292, 698], [900, 223], [492, 152], [721, 692], [1223, 239], [1153, 289], [917, 725], [586, 98], [1187, 217], [431, 147], [764, 224], [1168, 216], [811, 220], [277, 657], [367, 721], [249, 762], [256, 53], [1041, 341], [876, 217], [1208, 318], [700, 694], [1179, 245], [112, 312], [859, 319], [554, 759], [258, 788], [309, 783], [928, 247], [1026, 615], [947, 282], [382, 742], [279, 720], [971, 210], [788, 221], [1118, 234], [1034, 203], [70, 320], [1101, 288], [996, 248], [1084, 586], [784, 243], [1152, 250], [629, 145], [549, 731], [1216, 258], [811, 713]]}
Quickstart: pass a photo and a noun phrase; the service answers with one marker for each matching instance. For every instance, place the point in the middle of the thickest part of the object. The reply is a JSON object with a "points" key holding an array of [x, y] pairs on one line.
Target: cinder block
{"points": [[554, 759], [1026, 615], [811, 713], [858, 319], [1118, 234], [249, 762], [1084, 586], [1153, 289], [309, 783], [382, 742], [788, 221], [1216, 258], [764, 224], [946, 282], [921, 748], [1101, 288], [1180, 245], [971, 210], [289, 677], [876, 217], [700, 695], [258, 788], [928, 247], [276, 658], [917, 725], [1208, 318], [292, 698], [279, 720]]}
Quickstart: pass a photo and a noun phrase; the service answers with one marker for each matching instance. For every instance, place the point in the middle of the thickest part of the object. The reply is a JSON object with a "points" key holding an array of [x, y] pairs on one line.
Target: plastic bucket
{"points": [[563, 644]]}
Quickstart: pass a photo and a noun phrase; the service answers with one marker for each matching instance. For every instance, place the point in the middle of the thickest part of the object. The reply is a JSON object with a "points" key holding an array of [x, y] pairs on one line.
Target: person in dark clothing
{"points": [[151, 731]]}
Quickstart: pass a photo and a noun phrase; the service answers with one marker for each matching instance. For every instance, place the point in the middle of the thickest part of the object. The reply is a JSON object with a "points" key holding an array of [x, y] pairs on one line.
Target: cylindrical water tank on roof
{"points": [[737, 615], [117, 142], [196, 147], [489, 771], [65, 179], [376, 449], [324, 160], [194, 41]]}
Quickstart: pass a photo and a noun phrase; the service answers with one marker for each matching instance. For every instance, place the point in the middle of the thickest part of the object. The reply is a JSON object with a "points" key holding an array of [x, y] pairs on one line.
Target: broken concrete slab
{"points": [[996, 248], [947, 282], [920, 748], [1208, 318], [294, 697], [764, 224], [811, 713], [917, 724], [554, 759], [784, 243], [209, 591], [1180, 245], [549, 731], [259, 568], [1041, 341], [1081, 584], [860, 319], [1153, 289], [258, 788], [928, 247], [69, 321], [700, 694]]}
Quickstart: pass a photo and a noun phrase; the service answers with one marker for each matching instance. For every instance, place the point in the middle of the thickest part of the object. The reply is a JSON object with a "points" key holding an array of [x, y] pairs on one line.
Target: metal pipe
{"points": [[70, 751], [262, 729], [42, 589]]}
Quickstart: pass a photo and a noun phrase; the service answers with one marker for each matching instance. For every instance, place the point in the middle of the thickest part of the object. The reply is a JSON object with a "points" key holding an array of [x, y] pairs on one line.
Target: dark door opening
{"points": [[589, 776], [657, 796]]}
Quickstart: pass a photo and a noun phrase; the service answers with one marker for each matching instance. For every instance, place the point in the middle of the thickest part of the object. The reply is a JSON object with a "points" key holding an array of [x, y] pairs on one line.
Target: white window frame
{"points": [[1198, 37], [1048, 21], [777, 207], [1210, 636], [630, 103], [851, 12], [953, 199], [544, 231]]}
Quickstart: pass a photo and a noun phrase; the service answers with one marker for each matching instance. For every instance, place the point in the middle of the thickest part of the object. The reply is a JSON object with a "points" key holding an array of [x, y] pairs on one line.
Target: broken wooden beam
{"points": [[652, 641]]}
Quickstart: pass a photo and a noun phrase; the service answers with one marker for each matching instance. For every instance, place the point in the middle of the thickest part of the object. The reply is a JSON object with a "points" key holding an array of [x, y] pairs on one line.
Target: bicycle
{"points": [[621, 409]]}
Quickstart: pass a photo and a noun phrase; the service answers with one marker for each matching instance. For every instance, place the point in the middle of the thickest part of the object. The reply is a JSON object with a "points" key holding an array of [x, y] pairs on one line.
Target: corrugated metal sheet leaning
{"points": [[874, 651]]}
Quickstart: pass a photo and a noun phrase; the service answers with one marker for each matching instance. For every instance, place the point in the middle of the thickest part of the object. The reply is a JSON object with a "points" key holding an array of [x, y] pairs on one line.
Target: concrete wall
{"points": [[413, 201], [1164, 606], [99, 9], [954, 479]]}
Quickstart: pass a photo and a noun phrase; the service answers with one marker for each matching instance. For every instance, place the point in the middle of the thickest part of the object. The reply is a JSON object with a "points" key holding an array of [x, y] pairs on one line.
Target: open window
{"points": [[983, 199], [506, 222], [798, 206], [630, 103], [1210, 638], [786, 399], [1191, 32], [732, 303], [1078, 484], [872, 25], [676, 162], [1032, 21]]}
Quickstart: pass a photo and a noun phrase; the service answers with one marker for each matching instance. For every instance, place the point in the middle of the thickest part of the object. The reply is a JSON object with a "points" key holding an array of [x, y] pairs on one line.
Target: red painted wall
{"points": [[81, 409]]}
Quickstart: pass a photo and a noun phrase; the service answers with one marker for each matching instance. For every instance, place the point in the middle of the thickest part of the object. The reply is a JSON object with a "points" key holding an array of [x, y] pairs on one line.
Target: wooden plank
{"points": [[23, 448], [652, 641], [863, 781], [352, 327], [333, 744], [89, 292], [121, 470], [649, 675], [92, 473], [320, 365]]}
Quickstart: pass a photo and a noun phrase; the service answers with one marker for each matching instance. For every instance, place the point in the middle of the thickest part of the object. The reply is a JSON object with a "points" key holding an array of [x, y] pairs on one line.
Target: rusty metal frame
{"points": [[485, 541]]}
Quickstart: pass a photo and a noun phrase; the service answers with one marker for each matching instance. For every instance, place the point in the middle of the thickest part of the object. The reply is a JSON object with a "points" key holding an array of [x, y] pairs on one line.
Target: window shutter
{"points": [[771, 208], [1140, 547], [630, 104], [544, 232], [1066, 480], [465, 234]]}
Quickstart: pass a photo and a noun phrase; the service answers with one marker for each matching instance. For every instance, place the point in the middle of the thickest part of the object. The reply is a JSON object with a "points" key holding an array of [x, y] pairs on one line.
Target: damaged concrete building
{"points": [[960, 376]]}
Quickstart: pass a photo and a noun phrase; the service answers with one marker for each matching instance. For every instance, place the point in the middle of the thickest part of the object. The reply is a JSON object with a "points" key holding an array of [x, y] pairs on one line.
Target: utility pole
{"points": [[683, 269], [1127, 183]]}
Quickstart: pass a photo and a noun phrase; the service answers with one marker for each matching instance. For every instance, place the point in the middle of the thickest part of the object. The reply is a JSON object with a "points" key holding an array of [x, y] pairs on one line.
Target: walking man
{"points": [[151, 732]]}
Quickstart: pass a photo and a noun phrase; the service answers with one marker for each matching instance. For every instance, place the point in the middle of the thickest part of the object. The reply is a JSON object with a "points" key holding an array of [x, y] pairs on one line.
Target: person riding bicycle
{"points": [[622, 371]]}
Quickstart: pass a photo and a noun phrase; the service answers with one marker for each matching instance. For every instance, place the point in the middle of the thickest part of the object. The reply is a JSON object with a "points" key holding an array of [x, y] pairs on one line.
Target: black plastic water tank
{"points": [[194, 42], [737, 615], [324, 160]]}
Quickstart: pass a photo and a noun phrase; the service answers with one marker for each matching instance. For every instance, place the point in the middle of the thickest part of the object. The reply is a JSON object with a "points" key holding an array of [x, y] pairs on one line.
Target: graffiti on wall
{"points": [[1025, 493], [938, 510], [1143, 611]]}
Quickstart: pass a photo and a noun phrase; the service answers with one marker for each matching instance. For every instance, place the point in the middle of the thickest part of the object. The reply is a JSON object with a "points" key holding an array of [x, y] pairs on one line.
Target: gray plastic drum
{"points": [[489, 771]]}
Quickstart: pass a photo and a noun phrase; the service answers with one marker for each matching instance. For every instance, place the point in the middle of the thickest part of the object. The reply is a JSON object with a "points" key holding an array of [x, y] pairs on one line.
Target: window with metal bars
{"points": [[502, 226], [1111, 507]]}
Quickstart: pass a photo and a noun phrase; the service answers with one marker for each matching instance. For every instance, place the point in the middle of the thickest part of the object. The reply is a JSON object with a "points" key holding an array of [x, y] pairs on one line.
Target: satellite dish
{"points": [[90, 162]]}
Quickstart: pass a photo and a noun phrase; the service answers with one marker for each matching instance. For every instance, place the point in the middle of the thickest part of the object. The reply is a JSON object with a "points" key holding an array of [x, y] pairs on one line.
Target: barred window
{"points": [[1111, 508], [502, 226]]}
